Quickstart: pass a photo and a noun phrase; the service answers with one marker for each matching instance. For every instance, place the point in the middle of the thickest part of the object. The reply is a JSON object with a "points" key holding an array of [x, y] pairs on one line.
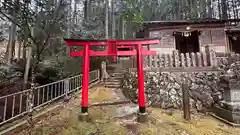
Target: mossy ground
{"points": [[199, 125], [64, 121]]}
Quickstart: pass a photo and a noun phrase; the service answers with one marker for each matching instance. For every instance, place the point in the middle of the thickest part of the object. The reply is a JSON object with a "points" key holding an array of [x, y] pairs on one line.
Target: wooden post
{"points": [[171, 60], [194, 63], [204, 59], [104, 74], [156, 61], [163, 60], [188, 60], [230, 58], [213, 59], [160, 60], [186, 104], [183, 60], [166, 61], [150, 58], [174, 59], [208, 55], [199, 59], [233, 55], [237, 55], [177, 59]]}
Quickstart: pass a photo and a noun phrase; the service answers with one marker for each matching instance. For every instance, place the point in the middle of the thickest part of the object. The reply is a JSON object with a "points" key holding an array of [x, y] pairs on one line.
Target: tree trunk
{"points": [[179, 10], [106, 19], [75, 12], [123, 28], [89, 6], [113, 20], [210, 12], [12, 36], [224, 9], [229, 14], [7, 49], [85, 9], [219, 10], [234, 9], [25, 42], [19, 51], [27, 67], [202, 8], [11, 44]]}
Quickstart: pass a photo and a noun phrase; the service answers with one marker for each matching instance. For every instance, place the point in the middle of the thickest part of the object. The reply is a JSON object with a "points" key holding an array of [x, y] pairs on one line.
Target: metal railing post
{"points": [[98, 74], [66, 88]]}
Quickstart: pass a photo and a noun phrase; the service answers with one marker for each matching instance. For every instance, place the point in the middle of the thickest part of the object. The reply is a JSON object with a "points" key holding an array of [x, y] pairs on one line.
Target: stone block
{"points": [[142, 117], [83, 117], [231, 95], [228, 115], [232, 106]]}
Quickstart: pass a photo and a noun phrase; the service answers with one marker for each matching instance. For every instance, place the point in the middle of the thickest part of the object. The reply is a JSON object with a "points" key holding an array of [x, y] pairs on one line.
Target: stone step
{"points": [[112, 83], [115, 77], [121, 70], [112, 86], [112, 80], [118, 73]]}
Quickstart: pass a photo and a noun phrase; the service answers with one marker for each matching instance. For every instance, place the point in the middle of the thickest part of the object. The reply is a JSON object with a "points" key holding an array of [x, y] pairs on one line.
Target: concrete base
{"points": [[66, 99], [83, 117], [228, 115], [142, 117], [224, 120]]}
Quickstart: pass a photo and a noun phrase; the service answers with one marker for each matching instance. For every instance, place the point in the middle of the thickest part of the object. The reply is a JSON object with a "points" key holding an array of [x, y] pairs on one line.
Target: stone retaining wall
{"points": [[163, 89]]}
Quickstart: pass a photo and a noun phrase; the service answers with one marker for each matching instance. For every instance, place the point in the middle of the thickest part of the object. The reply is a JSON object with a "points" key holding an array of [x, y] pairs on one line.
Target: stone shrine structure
{"points": [[229, 107]]}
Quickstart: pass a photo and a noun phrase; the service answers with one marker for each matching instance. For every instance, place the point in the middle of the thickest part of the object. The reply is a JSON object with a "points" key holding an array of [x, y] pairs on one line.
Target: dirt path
{"points": [[120, 120], [64, 121]]}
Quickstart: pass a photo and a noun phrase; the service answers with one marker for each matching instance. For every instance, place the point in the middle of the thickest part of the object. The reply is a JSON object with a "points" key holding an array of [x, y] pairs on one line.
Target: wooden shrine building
{"points": [[193, 35]]}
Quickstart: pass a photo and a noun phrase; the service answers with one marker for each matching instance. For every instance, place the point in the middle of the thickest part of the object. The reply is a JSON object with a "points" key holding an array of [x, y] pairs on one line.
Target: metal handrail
{"points": [[16, 105]]}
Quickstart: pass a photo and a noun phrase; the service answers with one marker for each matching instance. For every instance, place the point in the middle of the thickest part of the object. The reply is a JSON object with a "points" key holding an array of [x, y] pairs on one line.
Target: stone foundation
{"points": [[164, 89], [227, 114]]}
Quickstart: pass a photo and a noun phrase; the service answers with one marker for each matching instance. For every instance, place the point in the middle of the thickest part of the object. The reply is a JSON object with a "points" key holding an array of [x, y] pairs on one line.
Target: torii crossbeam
{"points": [[112, 50]]}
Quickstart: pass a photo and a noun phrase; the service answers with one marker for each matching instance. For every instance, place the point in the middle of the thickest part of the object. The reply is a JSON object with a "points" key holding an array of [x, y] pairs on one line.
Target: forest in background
{"points": [[189, 9], [37, 27]]}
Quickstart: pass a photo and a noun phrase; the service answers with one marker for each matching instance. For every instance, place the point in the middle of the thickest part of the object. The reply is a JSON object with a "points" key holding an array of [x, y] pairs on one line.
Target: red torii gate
{"points": [[112, 46]]}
